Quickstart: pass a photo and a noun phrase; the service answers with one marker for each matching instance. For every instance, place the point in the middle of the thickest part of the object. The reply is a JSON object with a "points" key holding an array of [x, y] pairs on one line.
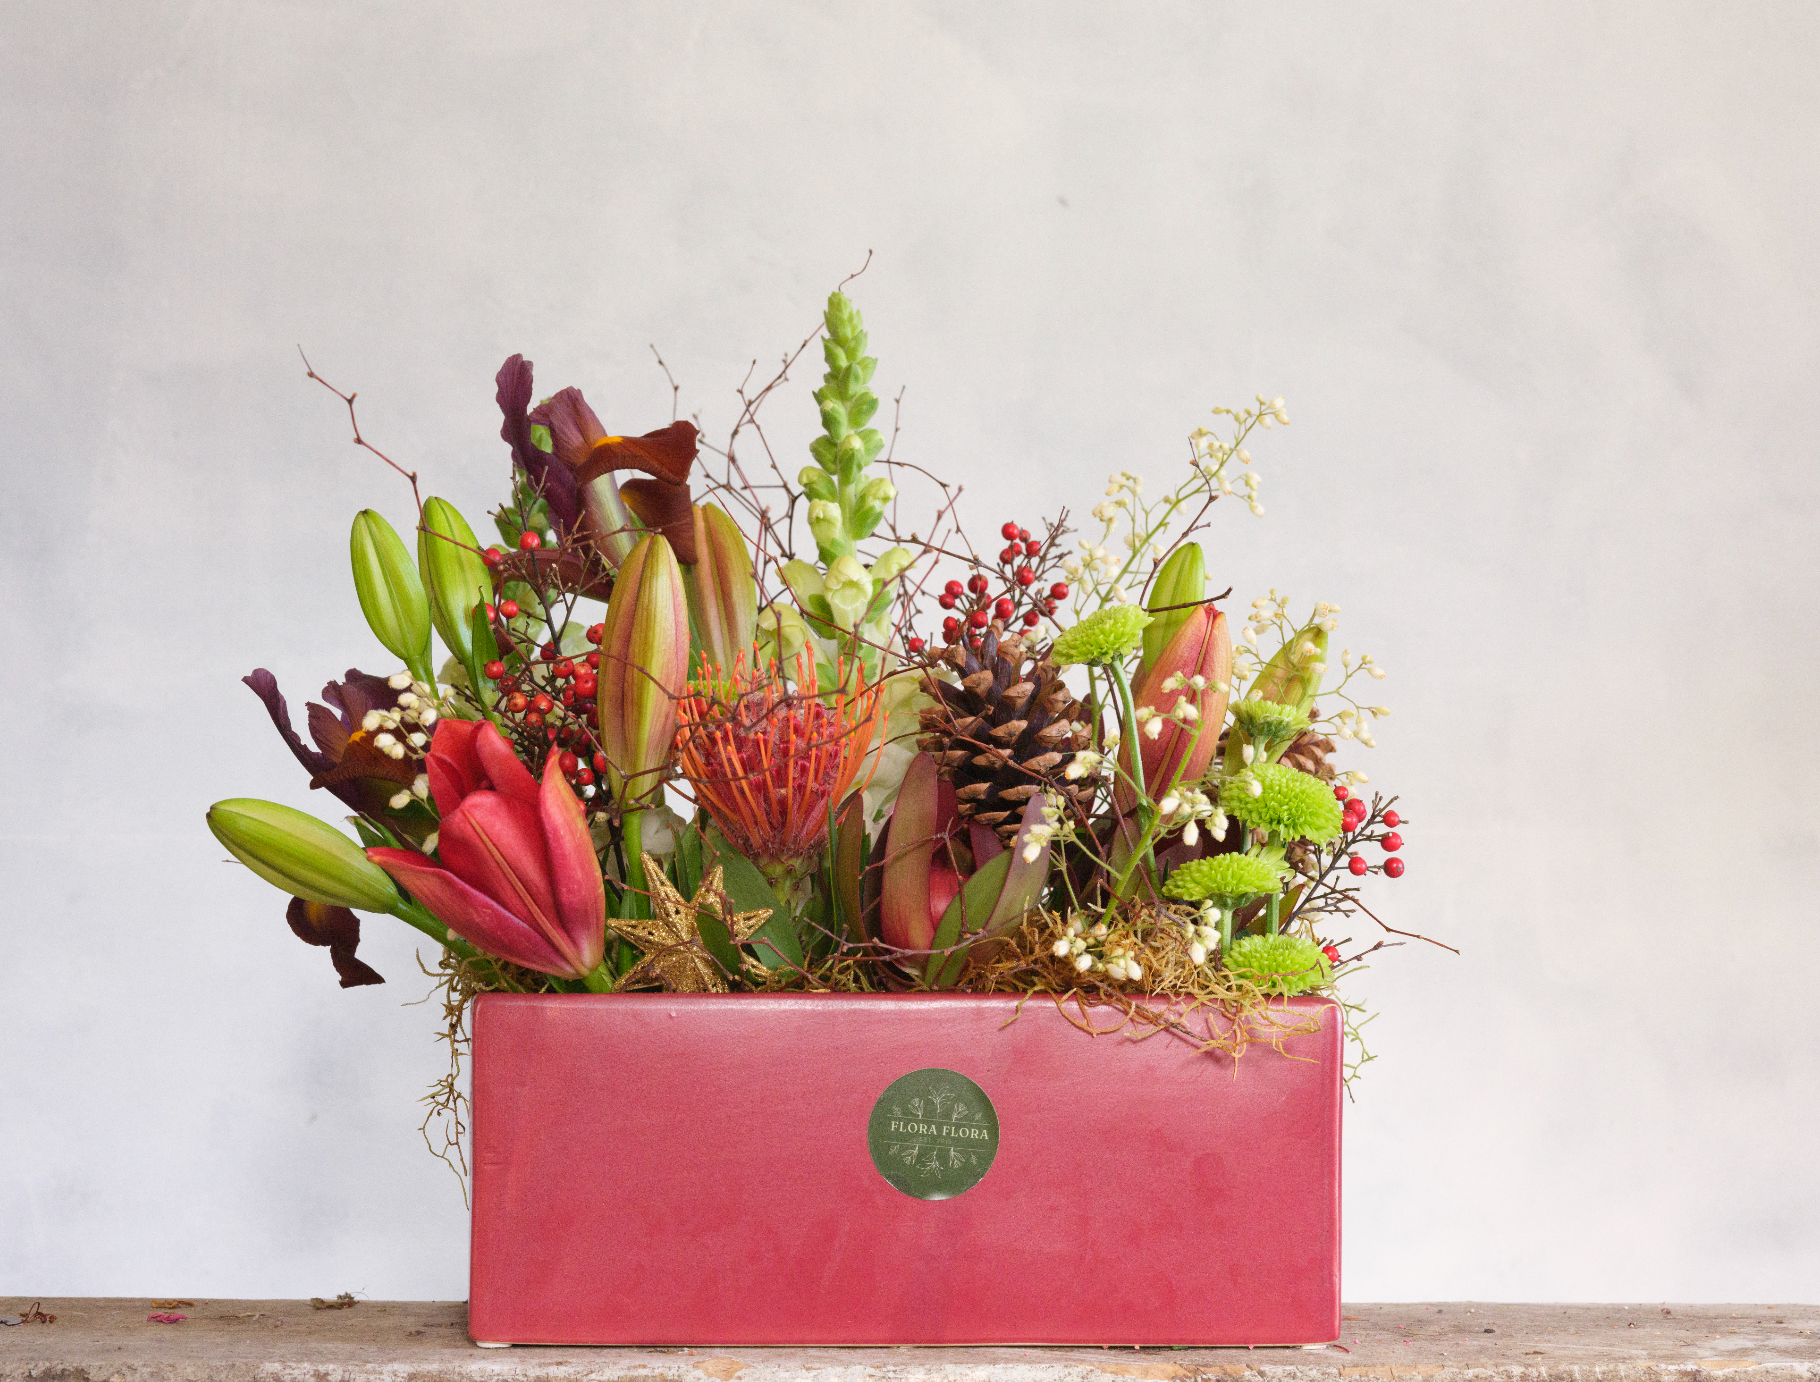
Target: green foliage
{"points": [[1106, 635], [1292, 805]]}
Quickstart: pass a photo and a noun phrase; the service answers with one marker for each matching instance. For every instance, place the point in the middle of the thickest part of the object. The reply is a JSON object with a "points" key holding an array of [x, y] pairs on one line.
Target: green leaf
{"points": [[748, 890], [977, 898], [851, 849]]}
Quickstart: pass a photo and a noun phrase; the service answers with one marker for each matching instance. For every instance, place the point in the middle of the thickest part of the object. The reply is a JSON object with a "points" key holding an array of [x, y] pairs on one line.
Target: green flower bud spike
{"points": [[391, 594], [454, 576], [847, 445], [1180, 581]]}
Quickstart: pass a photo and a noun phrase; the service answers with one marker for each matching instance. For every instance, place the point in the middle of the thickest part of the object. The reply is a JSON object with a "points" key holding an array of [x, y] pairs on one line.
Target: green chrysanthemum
{"points": [[1224, 878], [1281, 965], [1293, 805], [1106, 635], [1261, 719]]}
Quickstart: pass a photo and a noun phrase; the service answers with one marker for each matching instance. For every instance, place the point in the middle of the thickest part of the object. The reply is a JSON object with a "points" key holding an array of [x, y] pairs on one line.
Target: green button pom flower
{"points": [[1228, 879], [1266, 720], [1281, 965], [1292, 805], [1106, 635]]}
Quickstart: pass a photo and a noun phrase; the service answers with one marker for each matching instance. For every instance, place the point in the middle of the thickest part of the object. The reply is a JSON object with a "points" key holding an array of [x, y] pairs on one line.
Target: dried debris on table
{"points": [[344, 1301]]}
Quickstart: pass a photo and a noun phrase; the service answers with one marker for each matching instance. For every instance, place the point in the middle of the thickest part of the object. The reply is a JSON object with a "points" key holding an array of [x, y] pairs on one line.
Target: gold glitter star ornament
{"points": [[671, 940]]}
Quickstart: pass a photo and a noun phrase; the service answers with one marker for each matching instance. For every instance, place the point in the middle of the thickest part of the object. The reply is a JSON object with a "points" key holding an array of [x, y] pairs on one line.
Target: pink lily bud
{"points": [[1200, 647], [515, 872], [919, 875], [723, 596], [644, 668]]}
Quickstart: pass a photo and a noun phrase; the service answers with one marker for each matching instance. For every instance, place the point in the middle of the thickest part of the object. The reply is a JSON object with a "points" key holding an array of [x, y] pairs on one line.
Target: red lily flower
{"points": [[515, 872]]}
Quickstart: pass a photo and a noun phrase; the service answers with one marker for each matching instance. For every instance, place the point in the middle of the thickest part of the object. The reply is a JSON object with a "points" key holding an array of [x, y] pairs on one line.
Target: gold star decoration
{"points": [[671, 940]]}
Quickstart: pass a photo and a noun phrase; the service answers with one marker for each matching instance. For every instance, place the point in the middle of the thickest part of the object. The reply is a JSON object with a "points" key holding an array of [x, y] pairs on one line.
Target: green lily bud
{"points": [[301, 855], [723, 597], [1292, 677], [644, 667], [391, 595], [453, 573], [817, 485], [1181, 579]]}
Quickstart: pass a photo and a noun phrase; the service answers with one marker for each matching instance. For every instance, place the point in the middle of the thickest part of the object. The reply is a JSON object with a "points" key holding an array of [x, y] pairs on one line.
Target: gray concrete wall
{"points": [[1538, 282]]}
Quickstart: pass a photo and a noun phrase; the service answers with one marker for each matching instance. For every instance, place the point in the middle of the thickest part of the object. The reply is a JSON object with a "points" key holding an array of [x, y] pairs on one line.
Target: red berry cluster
{"points": [[547, 697], [1357, 824], [1025, 595]]}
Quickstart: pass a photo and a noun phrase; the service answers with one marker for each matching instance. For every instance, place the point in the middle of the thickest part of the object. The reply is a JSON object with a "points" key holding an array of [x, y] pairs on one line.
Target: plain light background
{"points": [[1539, 283]]}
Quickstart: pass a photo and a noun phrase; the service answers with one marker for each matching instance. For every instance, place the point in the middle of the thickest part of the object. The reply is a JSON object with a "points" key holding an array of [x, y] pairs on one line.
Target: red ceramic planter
{"points": [[895, 1169]]}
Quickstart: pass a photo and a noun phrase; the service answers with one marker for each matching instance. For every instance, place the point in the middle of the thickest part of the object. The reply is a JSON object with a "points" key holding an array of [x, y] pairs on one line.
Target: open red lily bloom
{"points": [[769, 762], [591, 457], [515, 872]]}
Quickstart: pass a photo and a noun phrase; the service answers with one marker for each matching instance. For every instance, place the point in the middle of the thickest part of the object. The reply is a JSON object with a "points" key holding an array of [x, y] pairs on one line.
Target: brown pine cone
{"points": [[1005, 733], [1308, 754]]}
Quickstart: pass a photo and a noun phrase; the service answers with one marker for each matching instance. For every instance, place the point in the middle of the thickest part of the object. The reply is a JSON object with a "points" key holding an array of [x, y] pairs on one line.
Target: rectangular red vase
{"points": [[896, 1169]]}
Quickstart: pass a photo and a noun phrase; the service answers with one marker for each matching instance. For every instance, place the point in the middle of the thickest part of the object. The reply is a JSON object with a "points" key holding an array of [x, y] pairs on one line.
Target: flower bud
{"points": [[644, 665], [391, 595], [454, 574], [1181, 580], [723, 598], [818, 484], [301, 855]]}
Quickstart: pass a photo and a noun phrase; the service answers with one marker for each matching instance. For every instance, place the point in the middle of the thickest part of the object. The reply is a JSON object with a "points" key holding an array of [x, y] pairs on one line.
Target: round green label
{"points": [[933, 1134]]}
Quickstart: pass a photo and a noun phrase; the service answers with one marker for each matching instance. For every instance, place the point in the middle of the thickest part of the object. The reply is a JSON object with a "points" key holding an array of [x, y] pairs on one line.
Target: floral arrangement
{"points": [[709, 734]]}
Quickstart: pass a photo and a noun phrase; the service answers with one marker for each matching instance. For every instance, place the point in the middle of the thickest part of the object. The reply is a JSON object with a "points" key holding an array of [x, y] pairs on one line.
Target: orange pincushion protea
{"points": [[767, 761]]}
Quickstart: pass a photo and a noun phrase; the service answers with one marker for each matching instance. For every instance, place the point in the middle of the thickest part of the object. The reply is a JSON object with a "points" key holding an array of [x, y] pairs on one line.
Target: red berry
{"points": [[1332, 952], [1394, 867], [1059, 591], [529, 541], [1009, 531], [565, 669], [916, 645], [950, 624], [586, 684], [977, 583], [1032, 547], [516, 702], [508, 609], [1048, 606], [945, 600], [1023, 534], [953, 588], [549, 652], [495, 670], [492, 614], [568, 695], [1002, 608], [1340, 794], [979, 619], [600, 762], [951, 635], [1392, 819], [1031, 618], [542, 704], [593, 659], [493, 556], [1392, 842], [1010, 554], [568, 763], [1025, 576], [534, 719], [596, 632], [1357, 866]]}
